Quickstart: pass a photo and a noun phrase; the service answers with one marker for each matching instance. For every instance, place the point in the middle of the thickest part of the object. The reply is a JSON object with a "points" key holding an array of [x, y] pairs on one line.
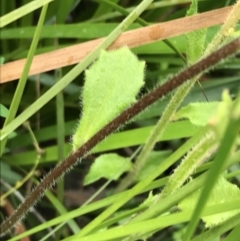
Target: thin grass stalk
{"points": [[22, 11]]}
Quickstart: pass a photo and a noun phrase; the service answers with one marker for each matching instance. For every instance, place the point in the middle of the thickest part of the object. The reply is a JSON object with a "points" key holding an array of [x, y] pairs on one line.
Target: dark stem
{"points": [[51, 178]]}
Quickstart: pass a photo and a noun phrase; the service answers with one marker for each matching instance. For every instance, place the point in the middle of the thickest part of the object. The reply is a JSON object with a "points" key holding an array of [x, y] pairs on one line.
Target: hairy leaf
{"points": [[110, 166], [111, 86], [197, 113]]}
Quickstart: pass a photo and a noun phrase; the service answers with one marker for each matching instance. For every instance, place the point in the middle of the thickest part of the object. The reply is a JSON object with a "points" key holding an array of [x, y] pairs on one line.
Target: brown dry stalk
{"points": [[74, 54], [65, 166]]}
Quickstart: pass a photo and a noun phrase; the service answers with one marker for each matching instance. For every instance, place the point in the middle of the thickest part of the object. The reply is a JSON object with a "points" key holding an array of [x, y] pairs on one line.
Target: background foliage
{"points": [[38, 145]]}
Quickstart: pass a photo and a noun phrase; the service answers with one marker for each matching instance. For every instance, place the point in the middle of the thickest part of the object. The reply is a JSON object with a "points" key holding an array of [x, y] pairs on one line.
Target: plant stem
{"points": [[199, 153], [155, 134]]}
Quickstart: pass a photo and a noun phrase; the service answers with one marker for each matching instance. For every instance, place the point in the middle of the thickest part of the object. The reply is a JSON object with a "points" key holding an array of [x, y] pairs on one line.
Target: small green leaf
{"points": [[3, 111], [197, 113], [111, 86], [110, 166], [223, 191]]}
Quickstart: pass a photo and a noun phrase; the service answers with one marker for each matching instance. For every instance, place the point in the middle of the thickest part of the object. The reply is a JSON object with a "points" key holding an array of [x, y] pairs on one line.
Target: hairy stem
{"points": [[199, 153]]}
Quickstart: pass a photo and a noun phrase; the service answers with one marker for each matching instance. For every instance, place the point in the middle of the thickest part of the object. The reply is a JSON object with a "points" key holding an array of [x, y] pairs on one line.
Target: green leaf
{"points": [[3, 111], [111, 85], [197, 113], [110, 166], [223, 191]]}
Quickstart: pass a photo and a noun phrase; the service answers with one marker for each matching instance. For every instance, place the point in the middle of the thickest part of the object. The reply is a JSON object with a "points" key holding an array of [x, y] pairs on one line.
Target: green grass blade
{"points": [[22, 11]]}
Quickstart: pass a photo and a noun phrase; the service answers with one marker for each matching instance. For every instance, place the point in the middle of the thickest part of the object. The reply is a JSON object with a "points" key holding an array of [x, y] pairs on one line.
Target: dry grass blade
{"points": [[74, 54]]}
